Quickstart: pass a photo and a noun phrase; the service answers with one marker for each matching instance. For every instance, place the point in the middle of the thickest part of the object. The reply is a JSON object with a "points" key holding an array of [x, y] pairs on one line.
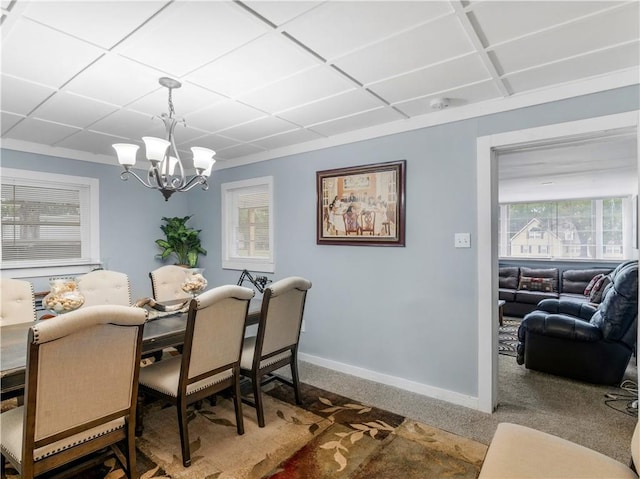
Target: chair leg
{"points": [[2, 466], [295, 380], [237, 402], [131, 452], [184, 432], [257, 397]]}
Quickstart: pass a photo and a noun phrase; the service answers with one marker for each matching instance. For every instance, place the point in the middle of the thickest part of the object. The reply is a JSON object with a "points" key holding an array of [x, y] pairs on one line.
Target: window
{"points": [[247, 225], [48, 221], [593, 228]]}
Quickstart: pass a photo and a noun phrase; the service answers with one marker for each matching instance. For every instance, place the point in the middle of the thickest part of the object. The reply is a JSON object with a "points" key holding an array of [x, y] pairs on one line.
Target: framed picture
{"points": [[362, 205]]}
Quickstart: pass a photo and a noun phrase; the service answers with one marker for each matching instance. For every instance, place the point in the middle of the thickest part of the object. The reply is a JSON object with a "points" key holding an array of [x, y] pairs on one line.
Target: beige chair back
{"points": [[17, 302], [216, 329], [105, 287], [281, 325], [166, 283], [82, 369]]}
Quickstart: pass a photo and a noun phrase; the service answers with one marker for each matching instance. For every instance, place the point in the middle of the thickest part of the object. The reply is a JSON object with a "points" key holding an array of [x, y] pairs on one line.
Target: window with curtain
{"points": [[247, 225], [48, 222]]}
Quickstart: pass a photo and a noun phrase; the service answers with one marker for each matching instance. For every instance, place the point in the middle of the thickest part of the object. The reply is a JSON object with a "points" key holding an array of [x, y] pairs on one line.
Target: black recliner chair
{"points": [[578, 340]]}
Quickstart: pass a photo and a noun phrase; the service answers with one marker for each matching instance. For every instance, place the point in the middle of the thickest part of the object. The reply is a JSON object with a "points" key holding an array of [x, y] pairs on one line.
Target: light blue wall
{"points": [[408, 312]]}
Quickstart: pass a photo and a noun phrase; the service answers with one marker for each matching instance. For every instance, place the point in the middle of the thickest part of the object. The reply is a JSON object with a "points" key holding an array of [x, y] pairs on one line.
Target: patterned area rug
{"points": [[330, 436], [508, 336]]}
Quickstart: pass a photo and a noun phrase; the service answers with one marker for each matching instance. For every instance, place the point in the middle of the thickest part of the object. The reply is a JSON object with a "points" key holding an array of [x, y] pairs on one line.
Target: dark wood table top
{"points": [[162, 332]]}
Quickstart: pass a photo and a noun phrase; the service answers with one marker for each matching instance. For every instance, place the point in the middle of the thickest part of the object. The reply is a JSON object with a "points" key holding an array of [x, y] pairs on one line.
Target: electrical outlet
{"points": [[462, 240]]}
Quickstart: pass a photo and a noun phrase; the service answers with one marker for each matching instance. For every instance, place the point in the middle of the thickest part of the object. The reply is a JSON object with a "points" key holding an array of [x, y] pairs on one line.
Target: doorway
{"points": [[488, 150]]}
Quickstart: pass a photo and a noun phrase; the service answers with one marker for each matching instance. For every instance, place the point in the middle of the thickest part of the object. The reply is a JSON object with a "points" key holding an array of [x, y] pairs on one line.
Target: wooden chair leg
{"points": [[237, 402], [296, 381], [131, 453], [184, 432], [257, 397], [3, 464]]}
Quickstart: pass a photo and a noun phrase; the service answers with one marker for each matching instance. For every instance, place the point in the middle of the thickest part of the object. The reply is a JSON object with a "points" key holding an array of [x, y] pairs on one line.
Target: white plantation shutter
{"points": [[248, 225], [46, 223]]}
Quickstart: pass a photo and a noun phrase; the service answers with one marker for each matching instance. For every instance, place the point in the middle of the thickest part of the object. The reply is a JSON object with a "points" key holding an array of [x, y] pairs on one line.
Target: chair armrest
{"points": [[559, 326], [565, 306]]}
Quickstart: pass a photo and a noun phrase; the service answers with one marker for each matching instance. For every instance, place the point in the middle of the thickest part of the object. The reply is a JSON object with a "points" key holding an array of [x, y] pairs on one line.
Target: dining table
{"points": [[162, 330]]}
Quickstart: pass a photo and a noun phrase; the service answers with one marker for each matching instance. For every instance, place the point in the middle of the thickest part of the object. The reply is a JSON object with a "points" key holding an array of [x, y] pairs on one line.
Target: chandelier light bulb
{"points": [[202, 157], [156, 148]]}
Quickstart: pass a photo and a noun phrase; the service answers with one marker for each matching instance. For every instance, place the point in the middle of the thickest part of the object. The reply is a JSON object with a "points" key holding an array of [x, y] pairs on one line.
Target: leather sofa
{"points": [[578, 340], [552, 284]]}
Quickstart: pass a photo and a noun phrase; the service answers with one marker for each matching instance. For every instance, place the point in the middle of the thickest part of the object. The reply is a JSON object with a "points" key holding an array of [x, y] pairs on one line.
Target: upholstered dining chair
{"points": [[210, 360], [105, 287], [81, 390], [166, 283], [276, 342], [17, 302]]}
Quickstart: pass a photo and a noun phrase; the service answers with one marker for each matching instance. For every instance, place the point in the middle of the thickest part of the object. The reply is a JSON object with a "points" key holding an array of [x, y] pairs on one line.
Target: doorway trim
{"points": [[487, 224]]}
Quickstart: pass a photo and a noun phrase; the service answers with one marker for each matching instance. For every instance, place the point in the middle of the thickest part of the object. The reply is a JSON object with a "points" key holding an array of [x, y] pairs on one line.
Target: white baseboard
{"points": [[407, 385]]}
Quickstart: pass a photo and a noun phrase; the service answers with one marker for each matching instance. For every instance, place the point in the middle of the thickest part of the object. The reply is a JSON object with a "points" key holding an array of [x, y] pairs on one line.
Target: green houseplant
{"points": [[181, 241]]}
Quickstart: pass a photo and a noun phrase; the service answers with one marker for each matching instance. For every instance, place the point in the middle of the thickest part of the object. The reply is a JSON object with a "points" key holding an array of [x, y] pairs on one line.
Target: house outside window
{"points": [[50, 223], [589, 229], [247, 225]]}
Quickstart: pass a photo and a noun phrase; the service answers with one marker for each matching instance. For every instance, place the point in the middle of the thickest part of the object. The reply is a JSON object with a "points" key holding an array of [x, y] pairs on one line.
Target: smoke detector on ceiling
{"points": [[439, 103]]}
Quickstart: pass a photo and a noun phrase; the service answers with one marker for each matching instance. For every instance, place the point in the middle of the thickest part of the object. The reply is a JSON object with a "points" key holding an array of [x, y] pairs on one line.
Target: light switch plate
{"points": [[462, 240]]}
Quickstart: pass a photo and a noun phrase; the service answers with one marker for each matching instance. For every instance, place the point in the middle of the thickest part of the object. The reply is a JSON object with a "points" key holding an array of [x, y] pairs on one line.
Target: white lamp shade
{"points": [[156, 147], [173, 161], [202, 157], [207, 173], [126, 153]]}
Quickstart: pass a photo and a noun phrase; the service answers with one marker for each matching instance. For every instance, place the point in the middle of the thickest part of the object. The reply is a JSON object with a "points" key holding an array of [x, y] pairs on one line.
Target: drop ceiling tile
{"points": [[401, 55], [129, 124], [578, 68], [37, 53], [253, 65], [8, 121], [593, 33], [215, 142], [356, 122], [186, 99], [527, 16], [40, 131], [305, 87], [93, 142], [479, 92], [336, 28], [428, 81], [20, 96], [286, 139], [343, 104], [116, 80], [260, 128], [73, 110], [98, 22], [187, 35], [223, 115], [239, 151], [186, 136], [280, 12]]}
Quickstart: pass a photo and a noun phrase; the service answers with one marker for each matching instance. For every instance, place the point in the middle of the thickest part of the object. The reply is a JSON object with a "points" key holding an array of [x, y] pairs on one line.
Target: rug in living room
{"points": [[508, 336], [329, 436]]}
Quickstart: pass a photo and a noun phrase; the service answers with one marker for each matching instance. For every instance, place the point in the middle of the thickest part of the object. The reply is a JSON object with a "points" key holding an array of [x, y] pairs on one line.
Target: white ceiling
{"points": [[260, 76]]}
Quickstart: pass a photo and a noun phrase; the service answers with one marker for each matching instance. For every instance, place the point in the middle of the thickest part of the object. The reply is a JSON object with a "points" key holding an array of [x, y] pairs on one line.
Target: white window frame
{"points": [[229, 221], [89, 197]]}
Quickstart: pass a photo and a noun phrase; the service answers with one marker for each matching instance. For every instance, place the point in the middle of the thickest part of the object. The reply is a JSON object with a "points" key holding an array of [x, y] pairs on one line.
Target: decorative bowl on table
{"points": [[195, 282], [63, 296]]}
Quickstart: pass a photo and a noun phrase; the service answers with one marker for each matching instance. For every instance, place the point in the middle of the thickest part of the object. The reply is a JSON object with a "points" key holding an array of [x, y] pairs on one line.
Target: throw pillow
{"points": [[592, 283], [536, 284], [598, 289]]}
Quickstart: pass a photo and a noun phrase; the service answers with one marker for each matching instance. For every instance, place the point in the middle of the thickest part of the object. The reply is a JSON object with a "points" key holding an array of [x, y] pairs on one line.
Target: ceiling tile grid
{"points": [[264, 75]]}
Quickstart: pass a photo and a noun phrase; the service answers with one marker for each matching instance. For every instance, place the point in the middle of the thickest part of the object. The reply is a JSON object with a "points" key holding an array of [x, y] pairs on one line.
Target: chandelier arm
{"points": [[125, 173], [154, 175], [195, 181]]}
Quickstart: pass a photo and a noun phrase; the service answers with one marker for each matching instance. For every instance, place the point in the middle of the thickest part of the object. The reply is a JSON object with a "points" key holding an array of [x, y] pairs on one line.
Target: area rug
{"points": [[329, 436], [508, 336]]}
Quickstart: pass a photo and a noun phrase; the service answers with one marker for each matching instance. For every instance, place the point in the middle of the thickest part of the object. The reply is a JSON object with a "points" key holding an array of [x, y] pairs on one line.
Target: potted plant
{"points": [[181, 241]]}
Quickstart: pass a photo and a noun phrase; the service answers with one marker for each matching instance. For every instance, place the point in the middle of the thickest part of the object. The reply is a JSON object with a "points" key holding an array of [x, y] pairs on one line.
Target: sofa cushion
{"points": [[551, 273], [507, 294], [534, 297], [508, 277], [597, 291], [577, 281], [536, 284]]}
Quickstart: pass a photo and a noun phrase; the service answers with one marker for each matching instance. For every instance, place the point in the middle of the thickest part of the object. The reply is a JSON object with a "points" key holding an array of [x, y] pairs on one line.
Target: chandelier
{"points": [[164, 158]]}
